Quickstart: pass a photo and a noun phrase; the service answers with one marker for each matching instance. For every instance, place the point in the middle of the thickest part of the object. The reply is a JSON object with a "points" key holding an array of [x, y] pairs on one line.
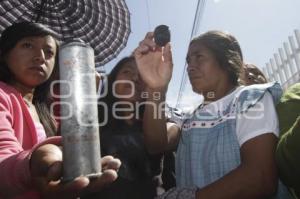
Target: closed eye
{"points": [[198, 56], [195, 56], [27, 45], [49, 52], [126, 71]]}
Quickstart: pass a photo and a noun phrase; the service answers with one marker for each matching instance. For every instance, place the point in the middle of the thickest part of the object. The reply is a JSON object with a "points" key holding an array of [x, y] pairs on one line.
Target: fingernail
{"points": [[82, 179]]}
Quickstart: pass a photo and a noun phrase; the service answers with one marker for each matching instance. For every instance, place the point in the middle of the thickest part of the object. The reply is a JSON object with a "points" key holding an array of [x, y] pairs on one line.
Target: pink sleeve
{"points": [[14, 160], [15, 169]]}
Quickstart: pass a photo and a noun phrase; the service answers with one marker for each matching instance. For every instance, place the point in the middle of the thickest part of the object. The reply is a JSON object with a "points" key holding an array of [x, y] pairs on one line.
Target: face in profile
{"points": [[204, 71], [32, 60], [128, 85]]}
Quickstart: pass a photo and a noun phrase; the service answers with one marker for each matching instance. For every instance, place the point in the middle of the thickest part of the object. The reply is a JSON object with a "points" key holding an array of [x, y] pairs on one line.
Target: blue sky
{"points": [[261, 26]]}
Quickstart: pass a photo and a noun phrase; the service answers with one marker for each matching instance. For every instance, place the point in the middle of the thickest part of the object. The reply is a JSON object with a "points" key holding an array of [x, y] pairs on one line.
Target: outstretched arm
{"points": [[46, 171], [155, 67]]}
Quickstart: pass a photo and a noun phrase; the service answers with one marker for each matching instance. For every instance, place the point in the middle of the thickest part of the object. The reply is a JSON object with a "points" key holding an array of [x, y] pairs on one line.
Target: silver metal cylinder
{"points": [[79, 115]]}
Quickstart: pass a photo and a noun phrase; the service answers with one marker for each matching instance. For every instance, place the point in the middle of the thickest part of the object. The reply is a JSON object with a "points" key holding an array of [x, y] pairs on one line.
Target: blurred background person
{"points": [[253, 75]]}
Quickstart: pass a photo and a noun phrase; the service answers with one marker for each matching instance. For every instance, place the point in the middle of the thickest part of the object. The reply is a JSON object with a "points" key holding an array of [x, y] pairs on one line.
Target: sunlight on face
{"points": [[32, 60]]}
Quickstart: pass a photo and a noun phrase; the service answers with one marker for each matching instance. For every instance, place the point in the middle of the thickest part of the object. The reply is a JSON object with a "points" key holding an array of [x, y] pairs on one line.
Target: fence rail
{"points": [[284, 66]]}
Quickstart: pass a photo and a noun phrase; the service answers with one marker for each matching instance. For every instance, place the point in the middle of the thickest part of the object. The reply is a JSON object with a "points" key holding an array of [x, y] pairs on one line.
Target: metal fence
{"points": [[284, 67]]}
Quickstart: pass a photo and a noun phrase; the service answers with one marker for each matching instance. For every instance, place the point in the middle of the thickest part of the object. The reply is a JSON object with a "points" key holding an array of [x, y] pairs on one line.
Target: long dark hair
{"points": [[110, 99], [226, 50], [41, 98]]}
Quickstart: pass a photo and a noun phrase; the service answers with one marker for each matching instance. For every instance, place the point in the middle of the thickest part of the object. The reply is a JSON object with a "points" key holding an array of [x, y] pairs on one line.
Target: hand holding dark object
{"points": [[162, 35], [154, 63]]}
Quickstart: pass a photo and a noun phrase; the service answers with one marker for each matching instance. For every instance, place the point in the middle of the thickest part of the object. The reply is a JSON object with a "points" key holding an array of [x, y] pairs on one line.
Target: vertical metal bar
{"points": [[290, 62], [279, 65], [294, 52], [275, 73], [269, 73], [297, 35], [297, 55], [285, 67], [265, 72], [289, 57]]}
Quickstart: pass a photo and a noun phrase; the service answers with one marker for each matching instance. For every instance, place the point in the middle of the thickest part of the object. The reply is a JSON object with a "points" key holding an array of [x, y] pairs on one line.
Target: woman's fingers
{"points": [[46, 168], [146, 45], [97, 184], [110, 166], [108, 162], [43, 158], [167, 54], [149, 35], [76, 186], [66, 190], [55, 171]]}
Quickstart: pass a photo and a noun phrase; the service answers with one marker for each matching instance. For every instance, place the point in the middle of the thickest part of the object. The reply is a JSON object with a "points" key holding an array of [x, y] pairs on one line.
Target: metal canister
{"points": [[79, 115]]}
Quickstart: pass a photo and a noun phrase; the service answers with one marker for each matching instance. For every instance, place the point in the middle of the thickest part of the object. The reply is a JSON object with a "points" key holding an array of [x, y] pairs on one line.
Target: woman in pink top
{"points": [[30, 163]]}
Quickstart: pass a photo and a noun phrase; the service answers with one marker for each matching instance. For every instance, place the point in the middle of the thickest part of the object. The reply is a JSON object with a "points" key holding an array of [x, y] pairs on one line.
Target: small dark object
{"points": [[162, 35]]}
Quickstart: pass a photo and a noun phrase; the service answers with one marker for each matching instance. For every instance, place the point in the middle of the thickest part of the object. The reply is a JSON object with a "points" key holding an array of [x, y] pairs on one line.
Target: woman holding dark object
{"points": [[226, 147]]}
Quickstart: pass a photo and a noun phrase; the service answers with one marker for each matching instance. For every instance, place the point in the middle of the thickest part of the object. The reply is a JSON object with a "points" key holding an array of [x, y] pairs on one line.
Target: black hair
{"points": [[110, 99], [41, 97]]}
